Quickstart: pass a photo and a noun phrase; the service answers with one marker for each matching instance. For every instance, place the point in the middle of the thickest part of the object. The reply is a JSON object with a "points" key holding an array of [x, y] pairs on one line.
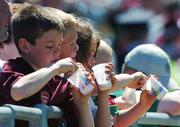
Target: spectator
{"points": [[5, 15], [150, 59], [5, 18], [88, 42], [69, 49], [33, 77], [170, 99]]}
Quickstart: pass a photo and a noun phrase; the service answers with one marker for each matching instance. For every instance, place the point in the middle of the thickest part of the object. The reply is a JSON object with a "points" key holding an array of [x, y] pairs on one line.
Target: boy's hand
{"points": [[66, 66], [138, 80]]}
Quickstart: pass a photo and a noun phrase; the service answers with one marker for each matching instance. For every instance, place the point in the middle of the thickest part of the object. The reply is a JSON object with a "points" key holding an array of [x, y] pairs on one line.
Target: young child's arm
{"points": [[103, 113], [127, 117], [170, 103], [30, 84], [103, 118], [135, 80], [81, 102]]}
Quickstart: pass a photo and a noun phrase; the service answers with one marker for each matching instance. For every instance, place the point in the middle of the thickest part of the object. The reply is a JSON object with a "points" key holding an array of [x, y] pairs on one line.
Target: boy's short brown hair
{"points": [[31, 22]]}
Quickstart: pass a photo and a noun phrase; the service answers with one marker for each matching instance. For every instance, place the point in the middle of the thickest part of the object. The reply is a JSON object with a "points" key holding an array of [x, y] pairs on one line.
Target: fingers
{"points": [[140, 79], [110, 75], [154, 77], [109, 66], [141, 82]]}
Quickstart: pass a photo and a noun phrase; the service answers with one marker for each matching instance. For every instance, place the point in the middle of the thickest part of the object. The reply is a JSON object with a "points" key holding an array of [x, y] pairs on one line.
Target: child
{"points": [[33, 77], [154, 61], [70, 37], [106, 51], [69, 45], [88, 41]]}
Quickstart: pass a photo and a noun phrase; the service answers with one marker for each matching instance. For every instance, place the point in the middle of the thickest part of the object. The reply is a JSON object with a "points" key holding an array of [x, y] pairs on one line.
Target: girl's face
{"points": [[91, 54], [69, 46]]}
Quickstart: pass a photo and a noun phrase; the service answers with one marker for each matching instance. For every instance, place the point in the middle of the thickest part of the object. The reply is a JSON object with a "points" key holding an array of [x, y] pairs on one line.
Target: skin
{"points": [[8, 51], [47, 47], [69, 49], [135, 80], [47, 65], [122, 119], [91, 58], [69, 46]]}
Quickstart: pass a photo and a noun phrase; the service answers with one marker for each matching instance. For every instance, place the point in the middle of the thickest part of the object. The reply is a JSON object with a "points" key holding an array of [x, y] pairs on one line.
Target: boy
{"points": [[69, 46], [88, 42], [32, 78]]}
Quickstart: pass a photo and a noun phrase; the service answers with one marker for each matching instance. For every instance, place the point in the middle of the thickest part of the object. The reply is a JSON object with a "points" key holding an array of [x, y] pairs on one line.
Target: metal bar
{"points": [[6, 117], [33, 115], [154, 118]]}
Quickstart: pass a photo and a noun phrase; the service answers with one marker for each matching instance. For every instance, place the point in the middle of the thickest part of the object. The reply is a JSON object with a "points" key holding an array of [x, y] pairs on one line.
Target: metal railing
{"points": [[37, 115], [154, 118]]}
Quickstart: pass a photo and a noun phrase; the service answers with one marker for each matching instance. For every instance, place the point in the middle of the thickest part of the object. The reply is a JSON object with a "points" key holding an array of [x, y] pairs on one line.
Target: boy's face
{"points": [[69, 46], [46, 51]]}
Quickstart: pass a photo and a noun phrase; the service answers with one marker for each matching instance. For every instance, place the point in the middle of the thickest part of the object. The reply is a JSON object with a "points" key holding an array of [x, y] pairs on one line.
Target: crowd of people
{"points": [[41, 46]]}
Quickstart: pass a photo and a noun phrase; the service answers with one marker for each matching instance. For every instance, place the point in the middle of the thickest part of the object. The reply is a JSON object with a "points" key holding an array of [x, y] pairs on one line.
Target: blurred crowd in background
{"points": [[128, 23]]}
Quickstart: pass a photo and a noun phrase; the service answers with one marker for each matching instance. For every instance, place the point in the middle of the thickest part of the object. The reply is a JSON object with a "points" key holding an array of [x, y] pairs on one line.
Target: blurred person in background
{"points": [[8, 49], [132, 30], [5, 16], [150, 59]]}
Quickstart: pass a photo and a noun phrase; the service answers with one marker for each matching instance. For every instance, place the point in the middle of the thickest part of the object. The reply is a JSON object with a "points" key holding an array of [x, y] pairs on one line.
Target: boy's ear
{"points": [[24, 45]]}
